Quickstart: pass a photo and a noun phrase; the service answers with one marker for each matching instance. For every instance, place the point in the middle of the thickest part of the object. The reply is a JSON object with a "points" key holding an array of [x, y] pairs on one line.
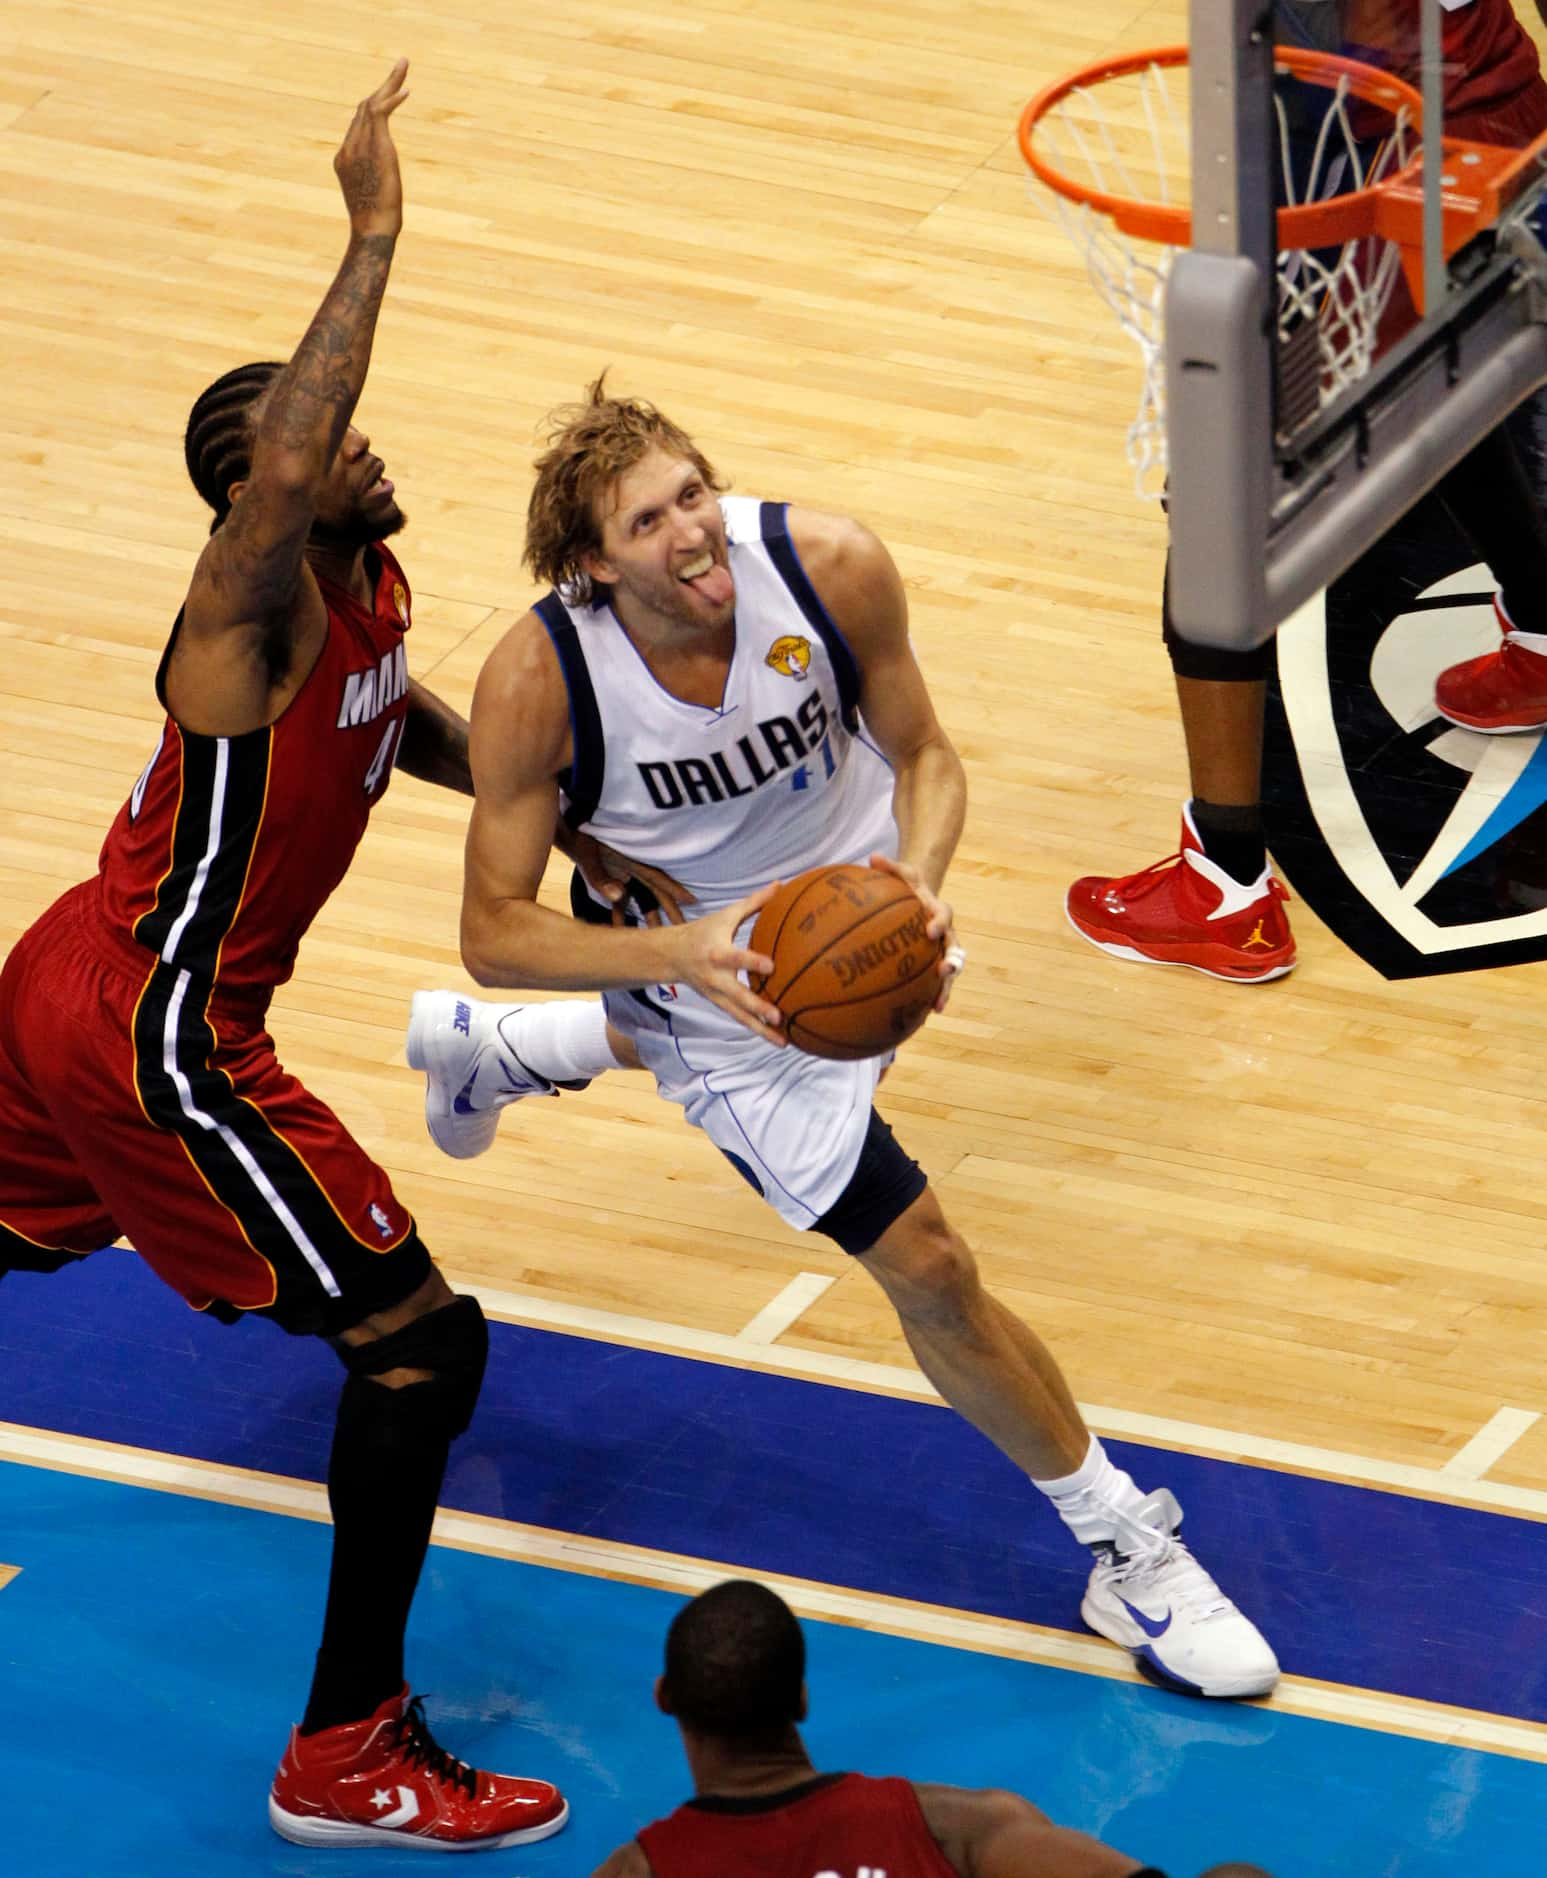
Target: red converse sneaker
{"points": [[385, 1781], [1501, 691], [1186, 911]]}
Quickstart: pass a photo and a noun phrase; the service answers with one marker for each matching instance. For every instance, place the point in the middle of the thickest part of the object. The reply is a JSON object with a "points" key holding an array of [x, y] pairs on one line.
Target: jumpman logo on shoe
{"points": [[1255, 938]]}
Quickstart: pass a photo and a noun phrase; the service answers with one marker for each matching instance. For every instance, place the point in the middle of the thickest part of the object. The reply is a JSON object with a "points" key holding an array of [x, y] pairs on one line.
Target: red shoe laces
{"points": [[1135, 886]]}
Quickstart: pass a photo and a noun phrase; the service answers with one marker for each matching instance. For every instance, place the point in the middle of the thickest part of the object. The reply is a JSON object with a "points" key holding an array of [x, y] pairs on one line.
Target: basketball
{"points": [[854, 973]]}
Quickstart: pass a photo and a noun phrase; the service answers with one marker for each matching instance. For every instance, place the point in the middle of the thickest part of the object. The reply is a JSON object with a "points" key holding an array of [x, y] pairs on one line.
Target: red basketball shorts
{"points": [[133, 1103]]}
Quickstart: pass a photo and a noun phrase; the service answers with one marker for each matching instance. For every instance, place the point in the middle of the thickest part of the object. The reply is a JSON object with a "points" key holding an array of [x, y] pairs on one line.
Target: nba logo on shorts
{"points": [[383, 1224]]}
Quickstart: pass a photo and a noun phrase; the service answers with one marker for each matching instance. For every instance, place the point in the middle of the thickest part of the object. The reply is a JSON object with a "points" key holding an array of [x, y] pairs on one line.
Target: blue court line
{"points": [[881, 1495], [155, 1649]]}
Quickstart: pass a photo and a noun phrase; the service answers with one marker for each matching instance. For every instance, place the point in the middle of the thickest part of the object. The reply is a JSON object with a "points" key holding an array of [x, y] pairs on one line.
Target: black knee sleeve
{"points": [[1216, 664], [452, 1343]]}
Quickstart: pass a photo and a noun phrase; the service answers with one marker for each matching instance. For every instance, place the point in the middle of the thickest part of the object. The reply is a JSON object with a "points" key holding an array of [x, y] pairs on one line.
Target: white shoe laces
{"points": [[1149, 1559], [1170, 1573]]}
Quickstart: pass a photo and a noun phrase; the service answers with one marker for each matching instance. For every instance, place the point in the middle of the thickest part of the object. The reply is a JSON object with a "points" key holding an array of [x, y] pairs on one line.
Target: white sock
{"points": [[566, 1041], [1087, 1499]]}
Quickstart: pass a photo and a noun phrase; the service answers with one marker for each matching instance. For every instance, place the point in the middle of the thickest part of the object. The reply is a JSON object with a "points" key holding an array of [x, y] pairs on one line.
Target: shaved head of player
{"points": [[734, 1683]]}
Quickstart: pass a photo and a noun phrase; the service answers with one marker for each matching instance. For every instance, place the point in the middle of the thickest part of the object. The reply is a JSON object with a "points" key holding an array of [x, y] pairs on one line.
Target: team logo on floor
{"points": [[1422, 846]]}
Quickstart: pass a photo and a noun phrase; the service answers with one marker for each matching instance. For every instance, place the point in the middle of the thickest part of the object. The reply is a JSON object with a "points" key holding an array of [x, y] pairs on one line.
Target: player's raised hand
{"points": [[712, 963], [941, 924], [367, 165]]}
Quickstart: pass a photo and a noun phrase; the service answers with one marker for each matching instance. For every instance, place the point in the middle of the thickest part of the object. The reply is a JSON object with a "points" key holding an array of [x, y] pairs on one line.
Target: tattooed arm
{"points": [[250, 572]]}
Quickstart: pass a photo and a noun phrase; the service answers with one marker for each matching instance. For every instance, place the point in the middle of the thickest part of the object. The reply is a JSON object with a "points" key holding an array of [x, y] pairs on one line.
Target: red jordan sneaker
{"points": [[1186, 911], [1501, 691], [385, 1781]]}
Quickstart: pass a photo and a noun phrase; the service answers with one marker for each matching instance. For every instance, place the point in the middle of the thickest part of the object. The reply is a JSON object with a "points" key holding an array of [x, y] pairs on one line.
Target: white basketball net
{"points": [[1128, 136]]}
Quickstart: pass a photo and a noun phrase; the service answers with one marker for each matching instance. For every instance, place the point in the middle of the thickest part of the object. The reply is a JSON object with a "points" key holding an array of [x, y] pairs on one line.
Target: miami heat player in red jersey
{"points": [[1493, 85], [139, 1089], [831, 1823], [734, 1683], [228, 847]]}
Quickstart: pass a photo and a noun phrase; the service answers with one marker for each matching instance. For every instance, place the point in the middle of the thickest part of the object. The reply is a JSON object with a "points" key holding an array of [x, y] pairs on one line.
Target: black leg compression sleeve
{"points": [[453, 1342], [384, 1477], [1491, 497], [1189, 660]]}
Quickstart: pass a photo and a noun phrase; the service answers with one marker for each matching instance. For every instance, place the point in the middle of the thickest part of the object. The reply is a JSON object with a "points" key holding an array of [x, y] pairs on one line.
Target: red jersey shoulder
{"points": [[848, 1826], [365, 663]]}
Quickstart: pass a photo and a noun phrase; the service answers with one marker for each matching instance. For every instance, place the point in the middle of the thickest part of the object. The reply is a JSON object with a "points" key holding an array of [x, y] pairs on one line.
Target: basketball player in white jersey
{"points": [[724, 690]]}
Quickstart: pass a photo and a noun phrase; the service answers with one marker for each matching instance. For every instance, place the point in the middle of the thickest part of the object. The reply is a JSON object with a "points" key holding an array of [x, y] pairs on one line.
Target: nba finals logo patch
{"points": [[1422, 845], [790, 655], [400, 600]]}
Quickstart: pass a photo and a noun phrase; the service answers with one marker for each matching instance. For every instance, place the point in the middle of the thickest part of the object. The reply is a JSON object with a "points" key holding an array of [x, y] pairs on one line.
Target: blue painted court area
{"points": [[151, 1671], [901, 1498]]}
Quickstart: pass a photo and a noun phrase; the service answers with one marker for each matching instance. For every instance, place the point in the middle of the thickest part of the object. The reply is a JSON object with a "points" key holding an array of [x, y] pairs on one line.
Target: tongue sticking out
{"points": [[716, 585]]}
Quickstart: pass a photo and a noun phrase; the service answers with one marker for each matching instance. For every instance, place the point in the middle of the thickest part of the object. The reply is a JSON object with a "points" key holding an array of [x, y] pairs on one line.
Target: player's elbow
{"points": [[1003, 1809], [492, 936], [477, 939], [480, 963]]}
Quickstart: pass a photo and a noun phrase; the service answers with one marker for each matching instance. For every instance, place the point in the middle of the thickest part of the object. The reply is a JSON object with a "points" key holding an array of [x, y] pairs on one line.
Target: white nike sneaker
{"points": [[469, 1053], [1148, 1593]]}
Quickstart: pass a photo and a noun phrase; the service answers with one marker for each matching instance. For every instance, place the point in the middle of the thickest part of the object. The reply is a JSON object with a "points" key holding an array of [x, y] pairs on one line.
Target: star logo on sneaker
{"points": [[462, 1103], [1152, 1627], [406, 1810]]}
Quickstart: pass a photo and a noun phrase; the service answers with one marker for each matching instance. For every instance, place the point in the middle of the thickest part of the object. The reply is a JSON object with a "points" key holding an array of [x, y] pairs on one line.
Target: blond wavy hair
{"points": [[590, 445]]}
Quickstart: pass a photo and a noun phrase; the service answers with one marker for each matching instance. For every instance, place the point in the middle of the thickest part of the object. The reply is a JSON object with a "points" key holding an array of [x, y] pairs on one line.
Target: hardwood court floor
{"points": [[1310, 1212]]}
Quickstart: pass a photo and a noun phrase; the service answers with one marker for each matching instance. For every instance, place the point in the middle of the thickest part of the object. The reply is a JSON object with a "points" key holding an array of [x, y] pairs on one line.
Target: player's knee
{"points": [[450, 1345], [932, 1277]]}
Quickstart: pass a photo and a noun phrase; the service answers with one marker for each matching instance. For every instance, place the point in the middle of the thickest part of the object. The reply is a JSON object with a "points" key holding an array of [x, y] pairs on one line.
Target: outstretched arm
{"points": [[434, 744], [250, 570], [994, 1834]]}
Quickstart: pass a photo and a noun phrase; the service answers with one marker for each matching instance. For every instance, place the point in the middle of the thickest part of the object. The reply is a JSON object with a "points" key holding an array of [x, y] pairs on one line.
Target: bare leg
{"points": [[992, 1369]]}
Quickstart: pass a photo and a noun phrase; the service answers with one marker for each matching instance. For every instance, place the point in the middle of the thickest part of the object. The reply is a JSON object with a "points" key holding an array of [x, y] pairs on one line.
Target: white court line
{"points": [[669, 1571], [1196, 1437], [1493, 1439], [785, 1307]]}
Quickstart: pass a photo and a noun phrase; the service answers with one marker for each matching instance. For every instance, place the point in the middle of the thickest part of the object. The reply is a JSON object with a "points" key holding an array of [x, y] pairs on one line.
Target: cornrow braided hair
{"points": [[217, 445]]}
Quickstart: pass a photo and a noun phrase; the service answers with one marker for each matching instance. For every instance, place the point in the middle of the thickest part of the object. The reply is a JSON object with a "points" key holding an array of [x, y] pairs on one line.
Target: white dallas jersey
{"points": [[776, 778]]}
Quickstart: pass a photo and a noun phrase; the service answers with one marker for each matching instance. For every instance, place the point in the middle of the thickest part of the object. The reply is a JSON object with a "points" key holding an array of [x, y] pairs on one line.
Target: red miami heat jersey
{"points": [[836, 1826], [1490, 61], [228, 846]]}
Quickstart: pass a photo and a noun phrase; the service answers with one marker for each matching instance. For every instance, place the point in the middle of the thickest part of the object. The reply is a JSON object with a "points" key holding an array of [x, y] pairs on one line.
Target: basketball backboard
{"points": [[1278, 478]]}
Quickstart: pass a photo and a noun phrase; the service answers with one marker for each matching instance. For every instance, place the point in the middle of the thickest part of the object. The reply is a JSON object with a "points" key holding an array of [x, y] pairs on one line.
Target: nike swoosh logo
{"points": [[460, 1104], [1147, 1624]]}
